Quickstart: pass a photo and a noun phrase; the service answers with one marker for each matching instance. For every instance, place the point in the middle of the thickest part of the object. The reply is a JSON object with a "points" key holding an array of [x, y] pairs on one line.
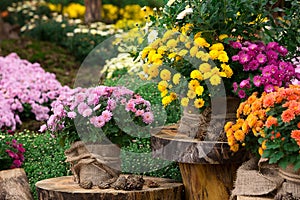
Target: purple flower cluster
{"points": [[96, 104], [22, 82], [265, 65], [16, 153]]}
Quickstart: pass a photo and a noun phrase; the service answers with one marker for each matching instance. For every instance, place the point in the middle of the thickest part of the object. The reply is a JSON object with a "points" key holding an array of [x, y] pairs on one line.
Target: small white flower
{"points": [[152, 36], [184, 13], [170, 2], [85, 30], [77, 30], [70, 34]]}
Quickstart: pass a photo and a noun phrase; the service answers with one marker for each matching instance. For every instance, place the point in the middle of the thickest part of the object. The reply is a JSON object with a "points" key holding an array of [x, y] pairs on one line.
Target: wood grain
{"points": [[64, 188]]}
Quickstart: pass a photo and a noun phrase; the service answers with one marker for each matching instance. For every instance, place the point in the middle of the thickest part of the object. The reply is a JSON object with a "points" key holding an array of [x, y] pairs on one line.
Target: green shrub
{"points": [[44, 157]]}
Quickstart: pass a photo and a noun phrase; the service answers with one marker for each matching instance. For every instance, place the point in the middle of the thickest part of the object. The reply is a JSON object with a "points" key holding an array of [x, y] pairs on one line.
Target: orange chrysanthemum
{"points": [[269, 100], [271, 121], [287, 115]]}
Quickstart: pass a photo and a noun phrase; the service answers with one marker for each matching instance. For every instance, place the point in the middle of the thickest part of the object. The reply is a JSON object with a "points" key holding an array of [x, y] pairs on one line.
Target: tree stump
{"points": [[14, 185], [64, 188], [208, 168]]}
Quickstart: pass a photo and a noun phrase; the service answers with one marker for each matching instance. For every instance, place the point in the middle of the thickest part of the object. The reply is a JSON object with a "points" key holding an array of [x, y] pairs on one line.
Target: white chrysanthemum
{"points": [[184, 13], [170, 2], [152, 36]]}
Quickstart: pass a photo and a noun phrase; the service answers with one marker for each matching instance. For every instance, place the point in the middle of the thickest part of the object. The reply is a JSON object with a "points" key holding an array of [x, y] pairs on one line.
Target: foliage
{"points": [[144, 163], [11, 152], [269, 125]]}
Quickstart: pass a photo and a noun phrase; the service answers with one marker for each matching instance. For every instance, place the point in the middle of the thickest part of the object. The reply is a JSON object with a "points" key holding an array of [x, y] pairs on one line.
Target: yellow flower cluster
{"points": [[254, 123], [73, 10], [174, 47], [110, 12]]}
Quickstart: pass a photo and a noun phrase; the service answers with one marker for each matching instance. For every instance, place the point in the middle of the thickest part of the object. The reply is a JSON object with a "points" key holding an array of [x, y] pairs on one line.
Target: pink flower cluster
{"points": [[22, 82], [265, 65], [96, 104], [16, 154]]}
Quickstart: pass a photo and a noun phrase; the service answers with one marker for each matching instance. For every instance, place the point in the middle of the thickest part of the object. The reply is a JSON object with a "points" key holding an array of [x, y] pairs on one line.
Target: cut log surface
{"points": [[64, 188], [168, 144], [14, 185]]}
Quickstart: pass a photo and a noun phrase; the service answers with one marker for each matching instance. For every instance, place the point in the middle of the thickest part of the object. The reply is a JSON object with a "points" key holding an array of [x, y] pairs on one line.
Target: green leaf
{"points": [[275, 157]]}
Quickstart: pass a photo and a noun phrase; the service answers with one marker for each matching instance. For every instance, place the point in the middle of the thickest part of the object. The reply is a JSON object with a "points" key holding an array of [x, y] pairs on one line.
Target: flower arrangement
{"points": [[11, 153], [99, 112], [186, 34], [269, 125], [168, 60], [264, 66]]}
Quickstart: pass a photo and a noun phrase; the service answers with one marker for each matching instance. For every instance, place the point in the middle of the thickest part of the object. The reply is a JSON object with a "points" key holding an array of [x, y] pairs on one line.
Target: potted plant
{"points": [[268, 126], [104, 118]]}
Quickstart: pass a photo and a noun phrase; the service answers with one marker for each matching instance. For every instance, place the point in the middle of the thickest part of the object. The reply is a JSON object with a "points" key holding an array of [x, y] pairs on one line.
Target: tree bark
{"points": [[64, 188], [93, 10], [14, 185]]}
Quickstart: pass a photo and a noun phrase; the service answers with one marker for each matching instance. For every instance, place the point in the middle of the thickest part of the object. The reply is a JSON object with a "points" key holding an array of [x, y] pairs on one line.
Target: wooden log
{"points": [[208, 182], [64, 188], [168, 144], [14, 185], [208, 168]]}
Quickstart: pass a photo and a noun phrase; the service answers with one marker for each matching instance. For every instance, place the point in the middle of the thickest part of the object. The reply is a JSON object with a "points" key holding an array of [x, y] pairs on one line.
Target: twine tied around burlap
{"points": [[95, 167]]}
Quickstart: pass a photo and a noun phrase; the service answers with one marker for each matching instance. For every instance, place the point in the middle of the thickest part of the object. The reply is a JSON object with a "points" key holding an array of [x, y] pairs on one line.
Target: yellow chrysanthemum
{"points": [[193, 51], [223, 57], [217, 46], [191, 94], [207, 75], [153, 71], [204, 67], [263, 144], [176, 78], [199, 103], [201, 42], [165, 74], [193, 84], [183, 52], [172, 43], [251, 119], [196, 74], [168, 34], [184, 101], [223, 36], [162, 86], [187, 45], [172, 55], [173, 96], [197, 35], [155, 57], [215, 79], [214, 54], [151, 54], [203, 56], [260, 151], [162, 49], [199, 90], [155, 44], [231, 140], [227, 69], [183, 38], [166, 100], [228, 126], [164, 93]]}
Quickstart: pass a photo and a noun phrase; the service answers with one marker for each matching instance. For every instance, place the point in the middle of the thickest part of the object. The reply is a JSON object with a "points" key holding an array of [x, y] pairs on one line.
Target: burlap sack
{"points": [[95, 163], [251, 181]]}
